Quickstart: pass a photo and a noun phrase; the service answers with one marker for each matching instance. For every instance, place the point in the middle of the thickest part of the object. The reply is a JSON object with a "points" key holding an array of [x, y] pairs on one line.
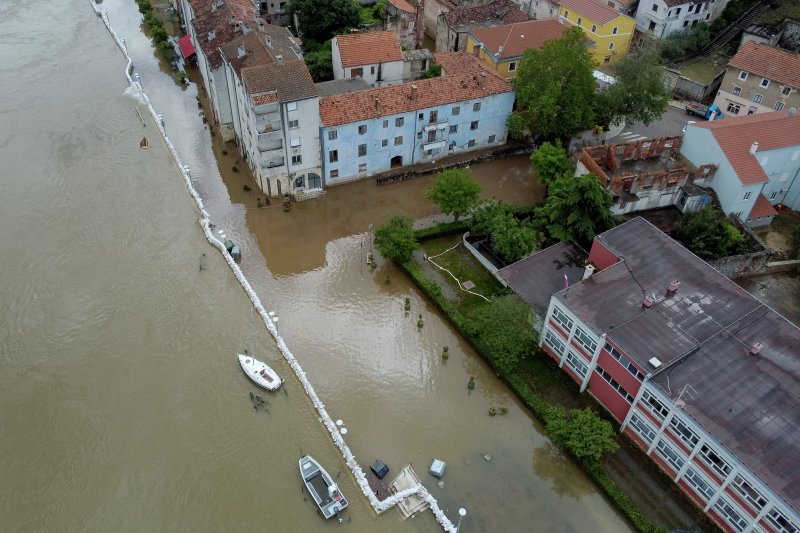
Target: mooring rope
{"points": [[378, 505]]}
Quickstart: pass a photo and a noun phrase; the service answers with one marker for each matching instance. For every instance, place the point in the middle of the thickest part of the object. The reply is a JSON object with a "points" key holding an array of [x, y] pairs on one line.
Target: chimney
{"points": [[673, 286], [792, 111], [413, 92], [232, 20], [212, 35], [261, 26], [378, 107], [482, 79], [647, 302], [588, 270], [268, 41], [213, 7], [241, 52], [500, 50], [279, 59], [754, 148], [756, 349]]}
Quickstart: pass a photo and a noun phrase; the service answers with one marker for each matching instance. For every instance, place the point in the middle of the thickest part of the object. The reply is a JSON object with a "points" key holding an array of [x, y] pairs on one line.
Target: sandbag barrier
{"points": [[205, 221]]}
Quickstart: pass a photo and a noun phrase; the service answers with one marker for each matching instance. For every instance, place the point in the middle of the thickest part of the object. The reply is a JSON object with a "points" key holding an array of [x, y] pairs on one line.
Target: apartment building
{"points": [[610, 30]]}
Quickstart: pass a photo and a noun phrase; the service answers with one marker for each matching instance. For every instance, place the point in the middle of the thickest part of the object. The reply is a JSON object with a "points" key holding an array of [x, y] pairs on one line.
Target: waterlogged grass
{"points": [[463, 265]]}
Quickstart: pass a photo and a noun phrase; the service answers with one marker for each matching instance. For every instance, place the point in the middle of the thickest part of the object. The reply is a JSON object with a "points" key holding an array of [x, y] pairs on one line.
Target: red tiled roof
{"points": [[735, 136], [497, 12], [458, 62], [357, 106], [402, 5], [255, 52], [516, 38], [187, 48], [772, 63], [371, 47], [592, 10], [268, 98], [291, 80], [762, 208]]}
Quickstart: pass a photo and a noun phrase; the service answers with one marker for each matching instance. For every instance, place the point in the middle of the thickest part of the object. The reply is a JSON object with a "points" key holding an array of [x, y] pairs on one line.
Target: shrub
{"points": [[395, 240]]}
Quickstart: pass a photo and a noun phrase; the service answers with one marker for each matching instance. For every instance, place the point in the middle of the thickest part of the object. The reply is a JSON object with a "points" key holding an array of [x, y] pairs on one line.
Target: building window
{"points": [[362, 150], [713, 460], [295, 142], [575, 362], [554, 342], [764, 82], [385, 123], [398, 122], [297, 159], [362, 167], [642, 428], [730, 514], [742, 75], [362, 129], [335, 173], [669, 455], [372, 69], [294, 124], [757, 98], [737, 90], [773, 195], [471, 143], [580, 20], [749, 493], [655, 8], [610, 46], [685, 23], [654, 405], [614, 384], [630, 367], [512, 66], [456, 111], [747, 195], [398, 140], [683, 431], [607, 59], [778, 106], [781, 524], [614, 31], [594, 28], [786, 91], [696, 481], [354, 72], [291, 106], [492, 138], [332, 135], [677, 11], [454, 129], [333, 156], [566, 14], [584, 340], [476, 106], [734, 108], [384, 143], [560, 318], [473, 125]]}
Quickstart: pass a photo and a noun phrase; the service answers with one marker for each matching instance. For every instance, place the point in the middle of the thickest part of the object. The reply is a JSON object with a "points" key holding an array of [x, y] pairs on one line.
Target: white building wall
{"points": [[660, 20]]}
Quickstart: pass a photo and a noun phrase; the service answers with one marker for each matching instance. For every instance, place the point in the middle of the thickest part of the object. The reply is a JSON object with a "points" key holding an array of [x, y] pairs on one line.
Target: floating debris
{"points": [[144, 144], [487, 457]]}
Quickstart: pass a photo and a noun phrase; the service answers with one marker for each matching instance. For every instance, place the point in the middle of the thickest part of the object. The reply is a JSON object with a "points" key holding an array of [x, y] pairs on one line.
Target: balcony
{"points": [[270, 141], [272, 161], [268, 122], [436, 126]]}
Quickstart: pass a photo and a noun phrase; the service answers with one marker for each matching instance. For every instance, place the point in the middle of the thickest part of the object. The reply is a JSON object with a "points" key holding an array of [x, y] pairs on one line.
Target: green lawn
{"points": [[464, 266], [786, 9], [706, 69]]}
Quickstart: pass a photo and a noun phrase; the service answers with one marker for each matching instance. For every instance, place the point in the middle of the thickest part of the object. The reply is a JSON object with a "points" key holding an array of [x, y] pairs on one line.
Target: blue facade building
{"points": [[367, 132]]}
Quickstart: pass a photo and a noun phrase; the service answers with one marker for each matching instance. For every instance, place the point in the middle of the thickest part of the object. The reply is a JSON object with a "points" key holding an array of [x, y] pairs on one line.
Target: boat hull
{"points": [[321, 487], [259, 372]]}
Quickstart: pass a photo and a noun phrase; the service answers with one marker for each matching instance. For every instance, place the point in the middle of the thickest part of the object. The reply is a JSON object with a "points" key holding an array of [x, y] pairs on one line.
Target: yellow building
{"points": [[610, 30], [503, 47]]}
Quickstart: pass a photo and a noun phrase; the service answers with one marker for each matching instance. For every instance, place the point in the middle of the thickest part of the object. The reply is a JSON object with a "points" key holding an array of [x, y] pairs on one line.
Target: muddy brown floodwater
{"points": [[122, 405]]}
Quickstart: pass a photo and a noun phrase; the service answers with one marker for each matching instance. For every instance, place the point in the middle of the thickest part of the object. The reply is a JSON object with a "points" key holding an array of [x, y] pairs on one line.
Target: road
{"points": [[670, 123]]}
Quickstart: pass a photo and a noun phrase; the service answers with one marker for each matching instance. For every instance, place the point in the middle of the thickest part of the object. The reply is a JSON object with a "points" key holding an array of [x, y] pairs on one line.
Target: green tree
{"points": [[639, 94], [319, 59], [555, 89], [455, 191], [506, 332], [686, 43], [322, 19], [395, 240], [551, 162], [576, 209], [709, 235], [583, 434], [512, 238]]}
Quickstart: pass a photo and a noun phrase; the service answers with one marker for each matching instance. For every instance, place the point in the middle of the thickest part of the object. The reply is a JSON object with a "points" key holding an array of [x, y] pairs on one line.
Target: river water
{"points": [[121, 402]]}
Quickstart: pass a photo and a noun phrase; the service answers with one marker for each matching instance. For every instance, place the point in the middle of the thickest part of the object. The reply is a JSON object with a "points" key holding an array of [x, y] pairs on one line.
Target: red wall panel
{"points": [[601, 257], [608, 397]]}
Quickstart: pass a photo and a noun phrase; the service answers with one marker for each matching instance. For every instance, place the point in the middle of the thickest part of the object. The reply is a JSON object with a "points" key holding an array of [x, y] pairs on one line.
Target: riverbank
{"points": [[535, 379]]}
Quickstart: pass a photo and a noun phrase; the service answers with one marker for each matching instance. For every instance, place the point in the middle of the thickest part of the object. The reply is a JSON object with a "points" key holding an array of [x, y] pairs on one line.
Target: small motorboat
{"points": [[258, 371], [321, 487]]}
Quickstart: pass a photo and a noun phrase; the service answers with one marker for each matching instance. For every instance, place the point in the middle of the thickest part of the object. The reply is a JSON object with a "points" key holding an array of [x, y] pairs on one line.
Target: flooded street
{"points": [[123, 407]]}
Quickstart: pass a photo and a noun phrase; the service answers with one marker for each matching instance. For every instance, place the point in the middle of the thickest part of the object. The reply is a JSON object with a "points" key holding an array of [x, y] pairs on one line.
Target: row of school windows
{"points": [[333, 155], [579, 22], [705, 487]]}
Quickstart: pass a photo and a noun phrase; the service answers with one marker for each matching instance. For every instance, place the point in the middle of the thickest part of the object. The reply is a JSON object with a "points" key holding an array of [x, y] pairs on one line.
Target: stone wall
{"points": [[750, 264]]}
